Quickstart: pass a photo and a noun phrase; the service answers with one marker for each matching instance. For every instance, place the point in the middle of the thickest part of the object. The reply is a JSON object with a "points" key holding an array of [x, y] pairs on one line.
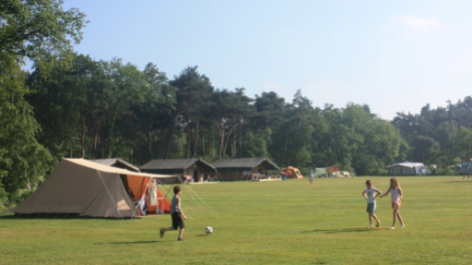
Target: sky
{"points": [[395, 56]]}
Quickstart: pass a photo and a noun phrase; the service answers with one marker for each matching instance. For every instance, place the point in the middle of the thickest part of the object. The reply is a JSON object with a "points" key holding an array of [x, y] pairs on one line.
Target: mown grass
{"points": [[285, 222]]}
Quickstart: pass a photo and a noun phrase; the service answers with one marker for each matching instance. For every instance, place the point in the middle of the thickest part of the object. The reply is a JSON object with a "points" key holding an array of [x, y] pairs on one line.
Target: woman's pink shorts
{"points": [[399, 204]]}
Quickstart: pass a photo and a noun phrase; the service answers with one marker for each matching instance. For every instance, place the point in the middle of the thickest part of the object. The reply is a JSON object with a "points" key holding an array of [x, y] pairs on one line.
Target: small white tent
{"points": [[85, 188]]}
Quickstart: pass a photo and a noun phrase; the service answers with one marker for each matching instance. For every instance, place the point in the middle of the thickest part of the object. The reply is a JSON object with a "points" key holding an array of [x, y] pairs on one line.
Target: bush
{"points": [[4, 203], [445, 171]]}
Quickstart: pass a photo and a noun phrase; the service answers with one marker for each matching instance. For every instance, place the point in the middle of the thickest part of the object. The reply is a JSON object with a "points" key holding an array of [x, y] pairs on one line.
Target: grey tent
{"points": [[240, 168], [406, 168], [116, 162], [194, 167], [86, 188]]}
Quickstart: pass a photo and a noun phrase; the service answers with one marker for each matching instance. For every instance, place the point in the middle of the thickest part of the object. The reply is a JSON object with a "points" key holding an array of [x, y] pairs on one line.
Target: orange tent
{"points": [[138, 187]]}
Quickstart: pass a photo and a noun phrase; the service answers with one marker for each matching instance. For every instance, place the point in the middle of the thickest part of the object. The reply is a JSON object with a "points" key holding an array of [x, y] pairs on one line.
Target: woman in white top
{"points": [[396, 195]]}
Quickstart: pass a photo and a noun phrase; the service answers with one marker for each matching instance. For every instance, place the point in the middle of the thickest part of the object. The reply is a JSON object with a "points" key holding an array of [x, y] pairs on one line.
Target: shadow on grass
{"points": [[459, 181], [7, 217], [130, 242], [62, 216], [342, 230]]}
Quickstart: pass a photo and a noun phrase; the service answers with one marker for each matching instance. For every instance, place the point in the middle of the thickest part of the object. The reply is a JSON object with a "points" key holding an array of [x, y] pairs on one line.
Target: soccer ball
{"points": [[208, 230]]}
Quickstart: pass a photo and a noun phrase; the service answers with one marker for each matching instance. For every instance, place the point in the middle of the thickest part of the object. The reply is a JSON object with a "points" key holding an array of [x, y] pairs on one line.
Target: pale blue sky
{"points": [[395, 56]]}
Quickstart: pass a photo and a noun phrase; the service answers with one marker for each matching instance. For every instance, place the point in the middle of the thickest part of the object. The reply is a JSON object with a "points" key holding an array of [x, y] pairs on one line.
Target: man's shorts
{"points": [[399, 204], [177, 221], [371, 207]]}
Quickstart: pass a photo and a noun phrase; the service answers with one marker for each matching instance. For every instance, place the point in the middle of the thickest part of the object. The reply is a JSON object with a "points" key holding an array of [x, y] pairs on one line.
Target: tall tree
{"points": [[28, 29], [193, 91]]}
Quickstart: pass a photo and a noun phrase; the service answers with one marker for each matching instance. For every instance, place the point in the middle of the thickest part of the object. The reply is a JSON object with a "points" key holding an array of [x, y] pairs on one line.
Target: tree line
{"points": [[103, 109], [70, 105]]}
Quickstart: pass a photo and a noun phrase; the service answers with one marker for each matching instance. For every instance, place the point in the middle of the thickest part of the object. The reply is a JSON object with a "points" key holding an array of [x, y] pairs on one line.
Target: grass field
{"points": [[284, 222]]}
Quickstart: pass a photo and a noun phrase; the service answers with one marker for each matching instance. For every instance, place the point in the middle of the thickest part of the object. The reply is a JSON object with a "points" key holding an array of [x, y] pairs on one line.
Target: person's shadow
{"points": [[343, 230], [130, 242]]}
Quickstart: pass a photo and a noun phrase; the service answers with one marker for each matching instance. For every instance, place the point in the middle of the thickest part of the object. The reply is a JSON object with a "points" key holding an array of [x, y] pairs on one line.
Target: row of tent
{"points": [[115, 188], [198, 170]]}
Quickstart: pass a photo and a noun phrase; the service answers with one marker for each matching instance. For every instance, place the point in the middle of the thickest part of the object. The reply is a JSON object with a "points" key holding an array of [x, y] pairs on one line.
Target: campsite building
{"points": [[116, 162], [197, 169], [407, 168], [243, 168], [85, 188]]}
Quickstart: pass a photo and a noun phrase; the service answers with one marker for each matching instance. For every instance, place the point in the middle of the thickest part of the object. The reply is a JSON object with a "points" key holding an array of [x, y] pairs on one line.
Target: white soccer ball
{"points": [[208, 230]]}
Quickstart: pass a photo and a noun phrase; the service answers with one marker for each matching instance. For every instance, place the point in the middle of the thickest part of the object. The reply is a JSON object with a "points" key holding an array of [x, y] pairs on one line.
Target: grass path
{"points": [[285, 222]]}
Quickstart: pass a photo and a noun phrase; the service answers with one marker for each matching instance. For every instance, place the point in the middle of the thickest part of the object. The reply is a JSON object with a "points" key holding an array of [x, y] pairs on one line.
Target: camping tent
{"points": [[327, 171], [407, 168], [291, 172], [85, 188]]}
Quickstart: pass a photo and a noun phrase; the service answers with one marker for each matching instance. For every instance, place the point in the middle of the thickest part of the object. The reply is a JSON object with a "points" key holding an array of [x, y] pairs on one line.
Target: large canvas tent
{"points": [[194, 168], [243, 168], [86, 188]]}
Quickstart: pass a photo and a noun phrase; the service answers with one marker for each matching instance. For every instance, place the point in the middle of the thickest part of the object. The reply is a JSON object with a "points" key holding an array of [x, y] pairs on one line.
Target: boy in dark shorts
{"points": [[178, 215]]}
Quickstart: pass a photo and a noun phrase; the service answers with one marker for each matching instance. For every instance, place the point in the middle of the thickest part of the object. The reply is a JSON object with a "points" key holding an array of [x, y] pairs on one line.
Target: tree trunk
{"points": [[227, 140], [95, 140], [222, 140], [71, 141], [285, 149], [213, 141], [189, 134], [240, 150], [130, 151], [195, 141], [234, 150], [171, 134], [203, 145], [83, 136], [149, 140]]}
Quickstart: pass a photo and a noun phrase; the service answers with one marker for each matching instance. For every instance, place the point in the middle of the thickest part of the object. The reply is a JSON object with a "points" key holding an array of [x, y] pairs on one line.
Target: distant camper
{"points": [[408, 168]]}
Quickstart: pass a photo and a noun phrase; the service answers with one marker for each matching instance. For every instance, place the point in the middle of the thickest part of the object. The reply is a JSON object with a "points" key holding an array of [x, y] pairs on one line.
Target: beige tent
{"points": [[85, 188]]}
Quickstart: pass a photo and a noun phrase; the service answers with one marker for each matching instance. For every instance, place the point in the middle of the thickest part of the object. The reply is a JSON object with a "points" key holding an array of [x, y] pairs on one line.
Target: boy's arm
{"points": [[363, 195], [385, 194], [180, 210]]}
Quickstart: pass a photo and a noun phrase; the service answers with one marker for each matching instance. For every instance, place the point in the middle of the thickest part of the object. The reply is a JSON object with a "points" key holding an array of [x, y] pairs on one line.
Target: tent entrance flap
{"points": [[139, 187]]}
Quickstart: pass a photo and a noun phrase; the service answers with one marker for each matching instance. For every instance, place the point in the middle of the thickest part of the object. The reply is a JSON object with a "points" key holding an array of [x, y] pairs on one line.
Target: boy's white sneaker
{"points": [[403, 226]]}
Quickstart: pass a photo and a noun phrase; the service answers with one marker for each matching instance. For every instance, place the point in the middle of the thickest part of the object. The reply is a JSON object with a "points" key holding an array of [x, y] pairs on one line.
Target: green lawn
{"points": [[283, 222]]}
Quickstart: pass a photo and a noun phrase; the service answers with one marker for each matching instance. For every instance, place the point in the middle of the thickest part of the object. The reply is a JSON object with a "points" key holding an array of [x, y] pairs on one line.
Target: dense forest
{"points": [[70, 105]]}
